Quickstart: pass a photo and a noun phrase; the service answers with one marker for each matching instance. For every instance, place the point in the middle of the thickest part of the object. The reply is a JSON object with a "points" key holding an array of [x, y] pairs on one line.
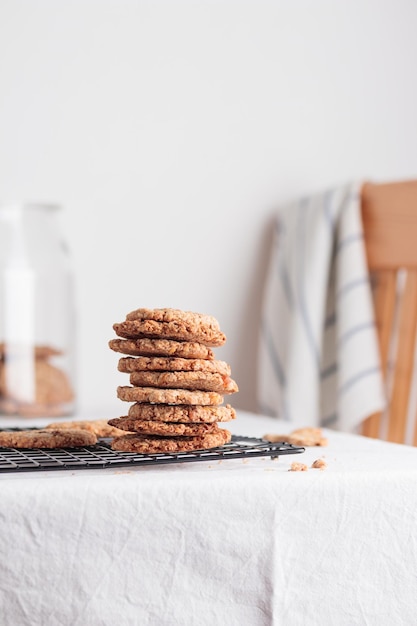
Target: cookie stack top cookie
{"points": [[171, 324], [177, 385]]}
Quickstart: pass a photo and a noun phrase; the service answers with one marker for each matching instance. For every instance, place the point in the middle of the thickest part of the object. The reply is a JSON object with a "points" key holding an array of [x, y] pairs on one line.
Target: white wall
{"points": [[170, 131]]}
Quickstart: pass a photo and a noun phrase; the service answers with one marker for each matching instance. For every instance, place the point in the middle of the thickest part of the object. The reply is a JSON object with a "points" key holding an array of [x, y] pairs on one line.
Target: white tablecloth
{"points": [[237, 542]]}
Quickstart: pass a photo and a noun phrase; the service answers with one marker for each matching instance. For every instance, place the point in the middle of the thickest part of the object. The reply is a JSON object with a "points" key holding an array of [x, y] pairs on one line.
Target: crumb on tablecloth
{"points": [[319, 464], [298, 467]]}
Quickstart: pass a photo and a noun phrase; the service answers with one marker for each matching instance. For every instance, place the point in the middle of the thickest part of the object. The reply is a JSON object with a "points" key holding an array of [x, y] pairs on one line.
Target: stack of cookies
{"points": [[177, 386]]}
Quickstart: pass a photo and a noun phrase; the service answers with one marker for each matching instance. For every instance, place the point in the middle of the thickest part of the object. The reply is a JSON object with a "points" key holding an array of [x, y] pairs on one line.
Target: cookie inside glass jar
{"points": [[37, 313], [32, 382]]}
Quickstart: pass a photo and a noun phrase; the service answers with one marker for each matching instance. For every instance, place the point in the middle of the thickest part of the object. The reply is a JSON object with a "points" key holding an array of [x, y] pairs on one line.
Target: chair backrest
{"points": [[389, 214]]}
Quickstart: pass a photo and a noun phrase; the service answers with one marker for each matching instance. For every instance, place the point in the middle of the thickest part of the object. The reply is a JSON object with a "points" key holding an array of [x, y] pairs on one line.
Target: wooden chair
{"points": [[390, 229]]}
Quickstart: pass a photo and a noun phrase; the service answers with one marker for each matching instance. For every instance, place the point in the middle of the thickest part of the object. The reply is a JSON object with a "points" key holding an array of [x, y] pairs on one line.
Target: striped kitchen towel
{"points": [[318, 353]]}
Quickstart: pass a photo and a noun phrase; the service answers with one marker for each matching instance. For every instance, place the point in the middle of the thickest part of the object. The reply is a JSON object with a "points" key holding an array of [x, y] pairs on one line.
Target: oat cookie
{"points": [[182, 330], [308, 437], [163, 429], [201, 381], [161, 347], [172, 364], [173, 315], [100, 428], [300, 437], [47, 438], [168, 396], [275, 438], [148, 445], [182, 413]]}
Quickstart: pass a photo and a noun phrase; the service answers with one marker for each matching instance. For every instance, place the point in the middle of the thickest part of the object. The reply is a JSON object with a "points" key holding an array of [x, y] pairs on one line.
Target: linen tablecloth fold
{"points": [[318, 351]]}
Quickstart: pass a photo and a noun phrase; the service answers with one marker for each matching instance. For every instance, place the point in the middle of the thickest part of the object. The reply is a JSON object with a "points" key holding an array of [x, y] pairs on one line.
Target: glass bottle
{"points": [[37, 314]]}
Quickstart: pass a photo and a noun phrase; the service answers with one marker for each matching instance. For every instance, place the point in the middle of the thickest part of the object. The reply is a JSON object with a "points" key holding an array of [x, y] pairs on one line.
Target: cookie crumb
{"points": [[319, 464], [298, 467]]}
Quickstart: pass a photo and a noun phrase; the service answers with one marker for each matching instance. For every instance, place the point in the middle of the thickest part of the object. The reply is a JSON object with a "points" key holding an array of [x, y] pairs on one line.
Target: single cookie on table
{"points": [[47, 438], [168, 396], [195, 381], [162, 347], [100, 428], [182, 413], [147, 445], [192, 329], [300, 437], [172, 364], [308, 437], [163, 429]]}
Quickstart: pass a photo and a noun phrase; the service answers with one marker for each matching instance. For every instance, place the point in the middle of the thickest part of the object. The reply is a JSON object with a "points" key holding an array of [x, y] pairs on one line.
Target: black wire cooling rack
{"points": [[102, 456]]}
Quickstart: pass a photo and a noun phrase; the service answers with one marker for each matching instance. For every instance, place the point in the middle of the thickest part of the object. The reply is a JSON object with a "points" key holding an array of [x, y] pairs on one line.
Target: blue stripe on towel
{"points": [[278, 369], [358, 282], [351, 382], [282, 269], [354, 237], [329, 371], [353, 331], [286, 285], [330, 320]]}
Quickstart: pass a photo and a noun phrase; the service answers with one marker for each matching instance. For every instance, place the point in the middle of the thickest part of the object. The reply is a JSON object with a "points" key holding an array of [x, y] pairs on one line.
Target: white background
{"points": [[169, 132]]}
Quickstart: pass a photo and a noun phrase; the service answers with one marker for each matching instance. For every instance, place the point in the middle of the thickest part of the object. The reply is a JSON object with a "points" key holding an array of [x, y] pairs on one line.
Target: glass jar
{"points": [[37, 314]]}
